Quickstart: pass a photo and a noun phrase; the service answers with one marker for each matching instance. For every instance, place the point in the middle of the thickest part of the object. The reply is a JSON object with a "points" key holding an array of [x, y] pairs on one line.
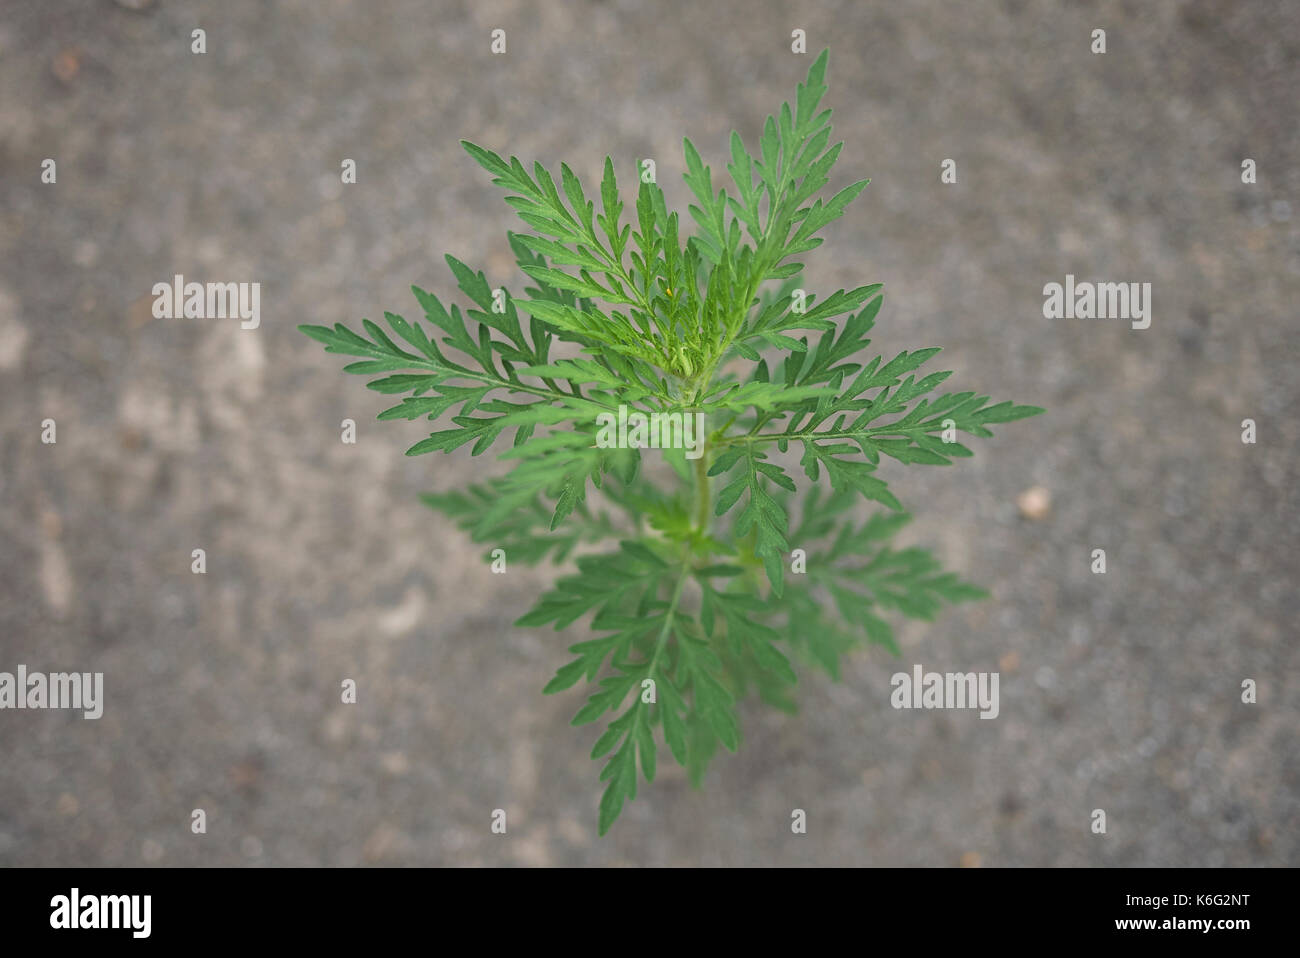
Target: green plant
{"points": [[689, 614]]}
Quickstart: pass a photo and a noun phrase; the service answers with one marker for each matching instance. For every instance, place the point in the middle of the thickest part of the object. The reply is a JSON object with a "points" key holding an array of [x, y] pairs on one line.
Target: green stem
{"points": [[702, 491], [662, 641]]}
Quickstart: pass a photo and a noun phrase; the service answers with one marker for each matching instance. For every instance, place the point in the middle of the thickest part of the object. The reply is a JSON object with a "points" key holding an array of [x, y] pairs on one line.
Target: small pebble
{"points": [[67, 64], [1034, 503]]}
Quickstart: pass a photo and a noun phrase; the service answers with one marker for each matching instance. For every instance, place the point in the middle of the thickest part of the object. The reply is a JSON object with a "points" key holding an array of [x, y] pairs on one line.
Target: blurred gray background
{"points": [[1119, 692]]}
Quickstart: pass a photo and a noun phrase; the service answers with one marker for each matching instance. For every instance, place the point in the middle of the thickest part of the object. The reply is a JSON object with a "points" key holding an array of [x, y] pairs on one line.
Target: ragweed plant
{"points": [[690, 604]]}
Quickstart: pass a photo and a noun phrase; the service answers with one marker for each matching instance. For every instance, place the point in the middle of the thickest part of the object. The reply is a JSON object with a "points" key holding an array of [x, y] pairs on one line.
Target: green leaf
{"points": [[762, 514], [846, 473]]}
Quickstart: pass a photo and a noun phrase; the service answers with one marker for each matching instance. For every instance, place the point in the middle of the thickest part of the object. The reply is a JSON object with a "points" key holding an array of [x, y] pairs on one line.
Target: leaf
{"points": [[767, 396], [846, 473], [762, 514]]}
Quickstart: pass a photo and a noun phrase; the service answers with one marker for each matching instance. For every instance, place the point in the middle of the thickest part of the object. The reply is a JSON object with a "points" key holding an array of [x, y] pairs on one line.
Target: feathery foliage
{"points": [[686, 594]]}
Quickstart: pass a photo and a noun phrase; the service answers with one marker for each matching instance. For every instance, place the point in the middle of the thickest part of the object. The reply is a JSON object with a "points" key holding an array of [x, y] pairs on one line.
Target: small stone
{"points": [[1009, 662], [1034, 503], [151, 851], [971, 860], [67, 805], [67, 64], [246, 773]]}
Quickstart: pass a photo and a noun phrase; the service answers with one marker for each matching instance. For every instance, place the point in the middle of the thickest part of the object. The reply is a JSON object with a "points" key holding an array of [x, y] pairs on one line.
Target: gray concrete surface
{"points": [[1119, 692]]}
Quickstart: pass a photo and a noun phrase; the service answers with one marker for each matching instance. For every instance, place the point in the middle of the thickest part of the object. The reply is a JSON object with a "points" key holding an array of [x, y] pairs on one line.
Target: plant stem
{"points": [[702, 491], [662, 641]]}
